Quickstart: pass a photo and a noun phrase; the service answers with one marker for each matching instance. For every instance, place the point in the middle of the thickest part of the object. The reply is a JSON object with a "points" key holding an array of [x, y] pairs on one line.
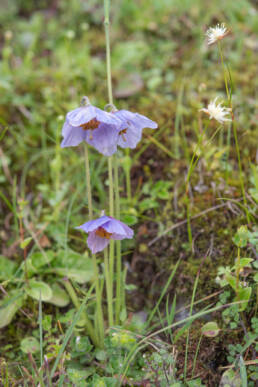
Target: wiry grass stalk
{"points": [[89, 327], [229, 96], [190, 314], [196, 354]]}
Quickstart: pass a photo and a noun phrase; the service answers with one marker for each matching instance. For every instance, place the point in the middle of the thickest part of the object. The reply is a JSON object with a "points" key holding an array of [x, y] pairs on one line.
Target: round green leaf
{"points": [[30, 345], [39, 289], [210, 329]]}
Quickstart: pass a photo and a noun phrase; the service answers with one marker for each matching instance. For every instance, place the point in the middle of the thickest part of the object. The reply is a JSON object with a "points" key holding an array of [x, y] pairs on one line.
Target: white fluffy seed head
{"points": [[217, 112], [214, 34]]}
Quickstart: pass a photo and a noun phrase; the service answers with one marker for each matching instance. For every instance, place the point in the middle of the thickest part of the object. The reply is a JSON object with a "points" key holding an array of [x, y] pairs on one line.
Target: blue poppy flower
{"points": [[102, 230], [131, 131], [93, 125]]}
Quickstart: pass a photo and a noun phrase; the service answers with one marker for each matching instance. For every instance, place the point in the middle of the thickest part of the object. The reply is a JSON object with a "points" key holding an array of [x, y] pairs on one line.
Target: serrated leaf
{"points": [[39, 289]]}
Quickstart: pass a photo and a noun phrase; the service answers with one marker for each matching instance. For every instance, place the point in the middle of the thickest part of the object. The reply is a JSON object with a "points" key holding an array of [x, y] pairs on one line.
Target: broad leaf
{"points": [[59, 296], [39, 289], [8, 308], [7, 268]]}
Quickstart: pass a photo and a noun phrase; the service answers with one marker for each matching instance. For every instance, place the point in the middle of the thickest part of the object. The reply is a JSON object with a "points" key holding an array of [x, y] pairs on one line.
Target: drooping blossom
{"points": [[93, 125], [214, 34], [218, 112], [133, 124], [102, 230]]}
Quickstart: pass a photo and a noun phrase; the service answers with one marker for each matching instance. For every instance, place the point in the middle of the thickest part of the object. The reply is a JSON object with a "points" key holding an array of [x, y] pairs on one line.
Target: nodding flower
{"points": [[102, 230], [93, 125], [132, 126]]}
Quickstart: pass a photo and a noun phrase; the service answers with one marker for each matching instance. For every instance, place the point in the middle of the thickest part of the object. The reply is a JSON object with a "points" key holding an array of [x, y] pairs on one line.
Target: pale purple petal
{"points": [[96, 243], [92, 225], [81, 115], [136, 119], [87, 113], [114, 226], [131, 138], [107, 118], [104, 139], [72, 136]]}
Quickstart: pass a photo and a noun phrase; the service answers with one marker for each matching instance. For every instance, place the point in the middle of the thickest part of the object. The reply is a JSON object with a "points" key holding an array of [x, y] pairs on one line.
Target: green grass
{"points": [[52, 54]]}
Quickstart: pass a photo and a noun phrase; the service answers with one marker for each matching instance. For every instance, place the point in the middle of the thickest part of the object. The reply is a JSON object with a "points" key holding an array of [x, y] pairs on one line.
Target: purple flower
{"points": [[103, 229], [131, 131], [93, 125]]}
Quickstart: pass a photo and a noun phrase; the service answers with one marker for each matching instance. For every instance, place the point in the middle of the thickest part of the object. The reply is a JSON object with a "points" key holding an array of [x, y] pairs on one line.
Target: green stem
{"points": [[118, 246], [108, 60], [100, 321], [88, 183], [234, 131], [196, 354], [91, 331], [190, 314], [111, 213], [237, 273], [189, 173], [240, 170], [224, 72], [108, 288], [127, 177]]}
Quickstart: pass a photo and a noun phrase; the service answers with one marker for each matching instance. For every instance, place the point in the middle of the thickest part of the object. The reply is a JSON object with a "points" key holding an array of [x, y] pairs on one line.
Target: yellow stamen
{"points": [[90, 125], [102, 233], [122, 133]]}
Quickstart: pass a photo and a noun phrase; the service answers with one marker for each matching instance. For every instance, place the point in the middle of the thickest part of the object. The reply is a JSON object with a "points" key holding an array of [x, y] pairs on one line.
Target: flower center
{"points": [[102, 233], [90, 125]]}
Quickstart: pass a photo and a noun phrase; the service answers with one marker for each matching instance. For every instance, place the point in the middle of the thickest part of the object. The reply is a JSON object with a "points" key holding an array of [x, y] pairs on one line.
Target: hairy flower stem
{"points": [[128, 179], [100, 321], [110, 170], [109, 291], [108, 60], [89, 327], [111, 213], [234, 130], [119, 295]]}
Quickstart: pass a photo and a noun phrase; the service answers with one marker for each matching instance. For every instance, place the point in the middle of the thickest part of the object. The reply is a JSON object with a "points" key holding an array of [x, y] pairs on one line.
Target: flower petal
{"points": [[114, 226], [92, 225], [130, 138], [104, 139], [136, 119], [81, 115], [72, 136], [96, 243]]}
